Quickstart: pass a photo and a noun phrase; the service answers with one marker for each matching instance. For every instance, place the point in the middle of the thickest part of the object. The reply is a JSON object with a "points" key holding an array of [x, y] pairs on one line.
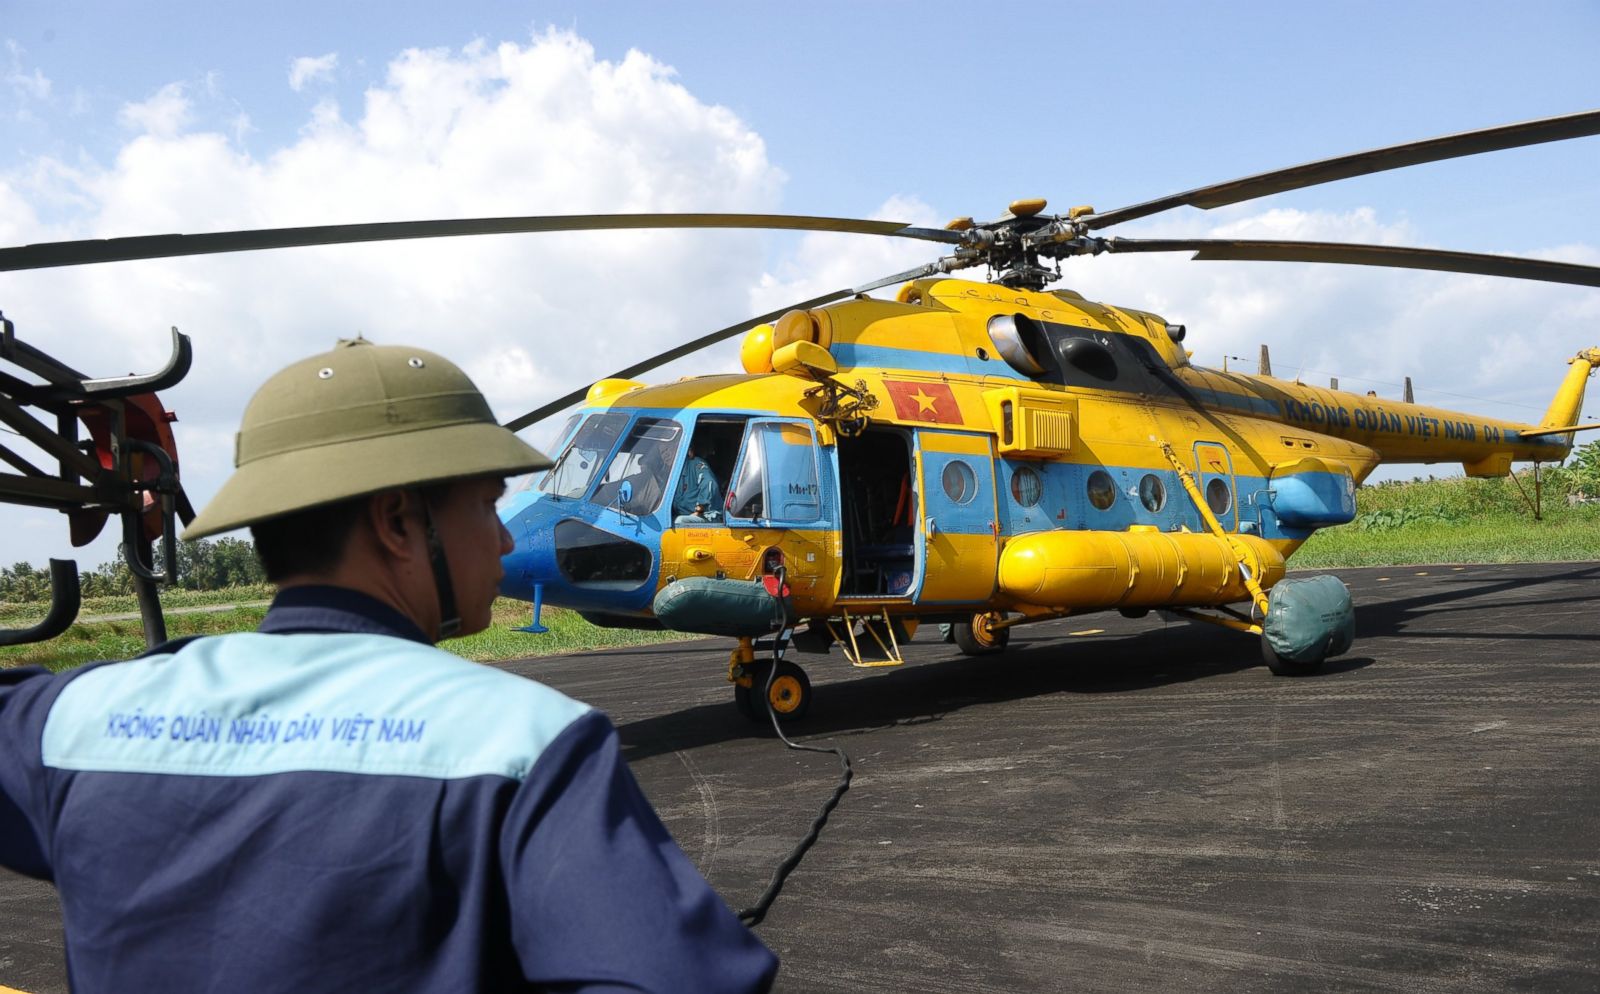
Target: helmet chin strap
{"points": [[449, 616]]}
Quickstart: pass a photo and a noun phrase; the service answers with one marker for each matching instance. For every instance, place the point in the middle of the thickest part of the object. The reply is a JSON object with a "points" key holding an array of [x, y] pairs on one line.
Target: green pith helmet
{"points": [[359, 420]]}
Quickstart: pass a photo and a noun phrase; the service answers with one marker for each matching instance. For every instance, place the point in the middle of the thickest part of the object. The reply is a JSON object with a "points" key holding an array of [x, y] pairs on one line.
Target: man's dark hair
{"points": [[309, 541], [312, 541]]}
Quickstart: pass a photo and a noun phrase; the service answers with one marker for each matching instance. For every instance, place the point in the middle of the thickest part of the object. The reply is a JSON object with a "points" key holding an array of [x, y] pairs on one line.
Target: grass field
{"points": [[1454, 521], [1430, 521], [95, 640]]}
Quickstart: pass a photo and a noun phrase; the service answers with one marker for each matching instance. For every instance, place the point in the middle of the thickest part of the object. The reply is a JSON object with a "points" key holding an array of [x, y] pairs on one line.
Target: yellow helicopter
{"points": [[981, 454]]}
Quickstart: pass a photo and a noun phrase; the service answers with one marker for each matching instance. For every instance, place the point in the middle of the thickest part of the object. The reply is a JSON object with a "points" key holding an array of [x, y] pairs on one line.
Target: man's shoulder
{"points": [[334, 701], [402, 668]]}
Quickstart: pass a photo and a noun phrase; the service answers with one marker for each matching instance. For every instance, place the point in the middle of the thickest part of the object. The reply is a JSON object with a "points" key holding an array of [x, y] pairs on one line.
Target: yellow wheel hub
{"points": [[785, 694], [981, 632]]}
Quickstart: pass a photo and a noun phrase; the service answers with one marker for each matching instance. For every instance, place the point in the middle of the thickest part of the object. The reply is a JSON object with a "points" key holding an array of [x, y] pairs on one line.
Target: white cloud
{"points": [[164, 114], [32, 84], [825, 262], [29, 85], [544, 127], [312, 69]]}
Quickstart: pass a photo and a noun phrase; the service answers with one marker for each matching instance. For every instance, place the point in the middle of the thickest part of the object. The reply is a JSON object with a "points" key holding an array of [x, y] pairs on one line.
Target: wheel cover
{"points": [[786, 694]]}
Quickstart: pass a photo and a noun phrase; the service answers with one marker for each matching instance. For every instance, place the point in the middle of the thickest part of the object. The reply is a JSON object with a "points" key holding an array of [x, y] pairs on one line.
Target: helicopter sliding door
{"points": [[958, 527]]}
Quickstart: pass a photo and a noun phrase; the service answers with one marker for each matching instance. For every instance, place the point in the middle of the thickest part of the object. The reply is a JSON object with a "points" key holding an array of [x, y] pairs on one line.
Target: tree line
{"points": [[202, 565]]}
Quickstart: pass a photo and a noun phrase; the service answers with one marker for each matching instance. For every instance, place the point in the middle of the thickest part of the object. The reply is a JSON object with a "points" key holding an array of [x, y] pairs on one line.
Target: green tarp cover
{"points": [[708, 606], [1309, 619]]}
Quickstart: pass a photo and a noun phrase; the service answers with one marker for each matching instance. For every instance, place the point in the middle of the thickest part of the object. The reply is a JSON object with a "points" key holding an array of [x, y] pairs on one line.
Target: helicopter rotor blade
{"points": [[1395, 256], [678, 352], [1376, 160], [46, 255]]}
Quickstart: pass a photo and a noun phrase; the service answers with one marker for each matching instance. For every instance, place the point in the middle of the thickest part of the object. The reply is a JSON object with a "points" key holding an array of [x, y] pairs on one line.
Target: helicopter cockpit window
{"points": [[580, 461], [636, 480]]}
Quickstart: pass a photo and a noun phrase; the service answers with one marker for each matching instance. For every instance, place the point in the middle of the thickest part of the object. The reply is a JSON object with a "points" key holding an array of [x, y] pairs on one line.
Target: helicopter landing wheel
{"points": [[979, 637], [1288, 667], [790, 694]]}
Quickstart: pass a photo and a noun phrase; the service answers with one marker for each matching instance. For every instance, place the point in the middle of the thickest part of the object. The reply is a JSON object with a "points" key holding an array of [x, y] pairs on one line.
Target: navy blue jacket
{"points": [[334, 804]]}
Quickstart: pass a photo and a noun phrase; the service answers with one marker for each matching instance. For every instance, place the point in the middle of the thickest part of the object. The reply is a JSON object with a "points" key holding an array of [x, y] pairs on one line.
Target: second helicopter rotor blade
{"points": [[722, 334], [47, 255], [1393, 256], [1376, 160]]}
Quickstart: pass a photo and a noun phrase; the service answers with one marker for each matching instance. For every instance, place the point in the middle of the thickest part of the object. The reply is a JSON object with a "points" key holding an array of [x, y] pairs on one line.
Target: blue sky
{"points": [[128, 119]]}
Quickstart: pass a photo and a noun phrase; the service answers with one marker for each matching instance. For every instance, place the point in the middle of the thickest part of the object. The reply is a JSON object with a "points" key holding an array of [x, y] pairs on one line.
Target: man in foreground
{"points": [[331, 803]]}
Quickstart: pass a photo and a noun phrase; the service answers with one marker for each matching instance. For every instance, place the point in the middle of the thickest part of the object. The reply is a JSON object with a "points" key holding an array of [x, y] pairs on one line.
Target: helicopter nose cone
{"points": [[572, 552]]}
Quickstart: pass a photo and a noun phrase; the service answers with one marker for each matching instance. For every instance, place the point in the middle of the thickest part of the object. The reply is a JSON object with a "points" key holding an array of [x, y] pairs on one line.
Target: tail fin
{"points": [[1564, 408]]}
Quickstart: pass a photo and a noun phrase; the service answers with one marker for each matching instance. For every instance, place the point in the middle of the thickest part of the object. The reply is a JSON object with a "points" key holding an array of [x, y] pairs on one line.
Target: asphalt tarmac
{"points": [[1118, 805]]}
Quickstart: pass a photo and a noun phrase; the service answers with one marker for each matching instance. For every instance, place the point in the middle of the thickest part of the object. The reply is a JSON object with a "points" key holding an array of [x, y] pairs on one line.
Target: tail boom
{"points": [[1406, 433]]}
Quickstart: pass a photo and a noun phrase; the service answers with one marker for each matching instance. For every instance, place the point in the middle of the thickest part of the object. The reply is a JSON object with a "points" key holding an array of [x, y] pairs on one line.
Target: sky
{"points": [[177, 116]]}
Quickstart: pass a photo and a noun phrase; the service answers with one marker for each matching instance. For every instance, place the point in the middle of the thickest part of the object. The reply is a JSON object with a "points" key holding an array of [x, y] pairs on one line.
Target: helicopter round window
{"points": [[1102, 491], [1218, 496], [960, 483], [1152, 492], [1026, 486]]}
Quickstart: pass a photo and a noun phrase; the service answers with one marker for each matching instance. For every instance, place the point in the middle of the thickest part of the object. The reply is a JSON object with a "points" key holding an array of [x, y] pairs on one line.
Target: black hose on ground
{"points": [[753, 915]]}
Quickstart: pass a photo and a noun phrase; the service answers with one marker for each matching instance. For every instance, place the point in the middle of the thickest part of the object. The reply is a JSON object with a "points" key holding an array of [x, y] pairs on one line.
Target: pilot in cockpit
{"points": [[699, 496]]}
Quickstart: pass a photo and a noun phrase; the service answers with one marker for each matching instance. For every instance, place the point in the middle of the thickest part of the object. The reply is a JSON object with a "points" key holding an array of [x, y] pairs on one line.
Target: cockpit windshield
{"points": [[636, 480], [580, 462]]}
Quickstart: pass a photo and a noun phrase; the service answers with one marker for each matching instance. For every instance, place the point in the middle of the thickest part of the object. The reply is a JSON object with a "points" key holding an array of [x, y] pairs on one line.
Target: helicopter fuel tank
{"points": [[1141, 567]]}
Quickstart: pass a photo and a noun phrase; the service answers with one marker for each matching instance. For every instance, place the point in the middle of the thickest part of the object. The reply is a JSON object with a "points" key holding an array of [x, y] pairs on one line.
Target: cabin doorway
{"points": [[878, 515]]}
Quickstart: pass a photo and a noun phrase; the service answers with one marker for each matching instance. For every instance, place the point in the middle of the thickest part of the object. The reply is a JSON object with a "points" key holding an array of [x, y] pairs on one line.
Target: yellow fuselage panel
{"points": [[810, 557]]}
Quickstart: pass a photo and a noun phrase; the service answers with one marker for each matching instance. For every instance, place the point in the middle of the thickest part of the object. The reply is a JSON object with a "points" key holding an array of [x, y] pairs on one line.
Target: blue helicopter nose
{"points": [[533, 560], [574, 552]]}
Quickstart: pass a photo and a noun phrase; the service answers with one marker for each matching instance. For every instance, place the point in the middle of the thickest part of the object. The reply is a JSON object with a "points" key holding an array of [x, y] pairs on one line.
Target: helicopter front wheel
{"points": [[789, 694], [979, 637]]}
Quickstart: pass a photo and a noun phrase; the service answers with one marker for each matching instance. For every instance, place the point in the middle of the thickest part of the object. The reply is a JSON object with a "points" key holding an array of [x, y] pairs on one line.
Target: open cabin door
{"points": [[776, 500], [960, 539], [776, 482]]}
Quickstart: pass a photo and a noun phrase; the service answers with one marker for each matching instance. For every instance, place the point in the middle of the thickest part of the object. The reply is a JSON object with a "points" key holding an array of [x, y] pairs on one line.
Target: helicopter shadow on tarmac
{"points": [[935, 685]]}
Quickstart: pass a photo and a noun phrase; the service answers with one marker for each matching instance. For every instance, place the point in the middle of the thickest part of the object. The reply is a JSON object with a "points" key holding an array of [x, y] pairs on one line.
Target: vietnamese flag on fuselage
{"points": [[917, 401]]}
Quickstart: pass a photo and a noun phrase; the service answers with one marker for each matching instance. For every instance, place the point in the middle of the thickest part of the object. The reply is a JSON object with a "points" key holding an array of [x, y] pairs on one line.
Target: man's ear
{"points": [[389, 515]]}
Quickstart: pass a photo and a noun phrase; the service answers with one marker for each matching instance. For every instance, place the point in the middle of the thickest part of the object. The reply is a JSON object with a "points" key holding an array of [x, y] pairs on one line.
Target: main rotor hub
{"points": [[1015, 245]]}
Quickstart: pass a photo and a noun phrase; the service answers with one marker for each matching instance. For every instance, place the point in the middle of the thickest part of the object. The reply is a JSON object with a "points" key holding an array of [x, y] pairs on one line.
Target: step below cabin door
{"points": [[960, 541]]}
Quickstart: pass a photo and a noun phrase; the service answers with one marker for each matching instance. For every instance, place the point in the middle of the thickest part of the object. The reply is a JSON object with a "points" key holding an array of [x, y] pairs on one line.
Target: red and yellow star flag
{"points": [[932, 402]]}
